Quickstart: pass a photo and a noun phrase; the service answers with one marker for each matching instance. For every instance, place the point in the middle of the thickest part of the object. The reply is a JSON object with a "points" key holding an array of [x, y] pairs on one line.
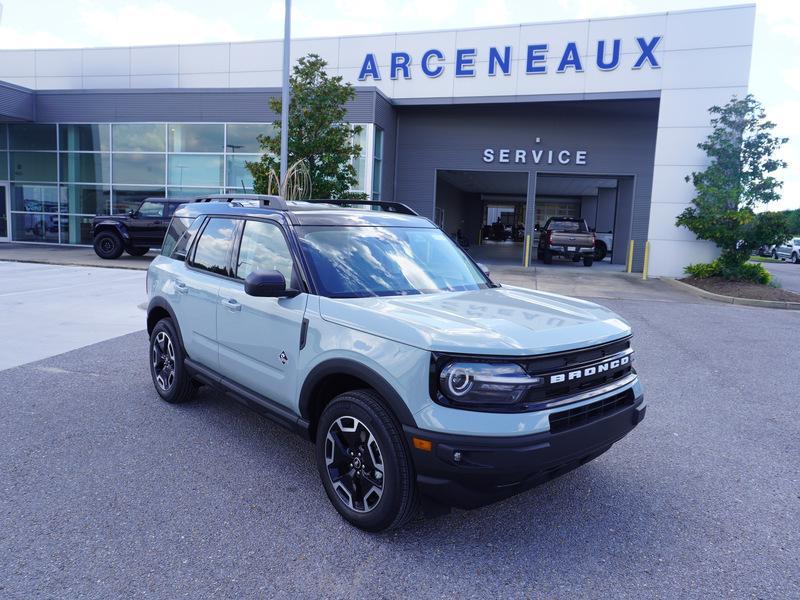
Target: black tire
{"points": [[137, 251], [600, 250], [375, 442], [775, 254], [108, 245], [547, 257], [587, 261], [795, 258], [166, 363]]}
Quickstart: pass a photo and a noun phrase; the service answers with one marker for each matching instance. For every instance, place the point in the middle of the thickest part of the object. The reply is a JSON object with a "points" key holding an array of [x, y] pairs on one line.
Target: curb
{"points": [[40, 261], [784, 304]]}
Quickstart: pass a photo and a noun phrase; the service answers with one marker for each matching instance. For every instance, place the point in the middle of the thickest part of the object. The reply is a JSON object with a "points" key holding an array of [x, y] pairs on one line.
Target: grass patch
{"points": [[764, 259]]}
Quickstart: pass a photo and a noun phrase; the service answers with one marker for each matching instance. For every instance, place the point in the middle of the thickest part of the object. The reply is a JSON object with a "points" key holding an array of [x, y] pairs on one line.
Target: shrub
{"points": [[704, 270], [755, 273]]}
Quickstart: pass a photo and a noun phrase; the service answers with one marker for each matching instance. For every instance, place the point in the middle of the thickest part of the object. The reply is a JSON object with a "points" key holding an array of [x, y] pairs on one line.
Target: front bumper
{"points": [[493, 468]]}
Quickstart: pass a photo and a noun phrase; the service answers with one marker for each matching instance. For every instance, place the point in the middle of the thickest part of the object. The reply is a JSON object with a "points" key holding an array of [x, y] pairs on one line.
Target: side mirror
{"points": [[484, 268], [268, 284], [132, 213]]}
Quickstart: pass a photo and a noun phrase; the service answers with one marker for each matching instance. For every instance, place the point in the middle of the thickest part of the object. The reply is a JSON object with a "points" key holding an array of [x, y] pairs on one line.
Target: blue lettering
{"points": [[601, 56], [496, 60], [647, 49], [536, 53], [400, 62], [369, 68], [437, 70], [465, 62], [570, 59]]}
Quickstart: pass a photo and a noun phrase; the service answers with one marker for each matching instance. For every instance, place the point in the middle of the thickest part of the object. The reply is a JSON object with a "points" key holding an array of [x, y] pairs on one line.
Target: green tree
{"points": [[737, 181], [318, 134]]}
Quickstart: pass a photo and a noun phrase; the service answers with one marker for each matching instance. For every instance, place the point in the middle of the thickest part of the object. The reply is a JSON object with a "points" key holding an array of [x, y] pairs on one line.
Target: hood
{"points": [[505, 321]]}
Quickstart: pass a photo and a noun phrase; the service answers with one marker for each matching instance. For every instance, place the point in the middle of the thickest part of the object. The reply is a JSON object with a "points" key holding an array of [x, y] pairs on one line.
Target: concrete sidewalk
{"points": [[79, 256]]}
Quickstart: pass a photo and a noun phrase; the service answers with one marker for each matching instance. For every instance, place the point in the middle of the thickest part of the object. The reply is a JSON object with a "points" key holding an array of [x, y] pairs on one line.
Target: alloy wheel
{"points": [[354, 463], [164, 361], [106, 245]]}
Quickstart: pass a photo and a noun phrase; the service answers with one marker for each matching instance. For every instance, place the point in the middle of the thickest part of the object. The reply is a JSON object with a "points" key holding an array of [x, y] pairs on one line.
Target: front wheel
{"points": [[363, 462], [795, 258], [108, 245], [170, 378], [774, 255], [137, 251]]}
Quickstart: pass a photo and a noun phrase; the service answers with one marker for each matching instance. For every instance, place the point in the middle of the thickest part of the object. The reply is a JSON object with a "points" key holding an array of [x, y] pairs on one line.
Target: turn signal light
{"points": [[420, 444]]}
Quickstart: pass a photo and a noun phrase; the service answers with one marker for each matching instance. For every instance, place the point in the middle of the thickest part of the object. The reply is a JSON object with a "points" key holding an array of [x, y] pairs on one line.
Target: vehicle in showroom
{"points": [[372, 334], [789, 250], [567, 237], [136, 231]]}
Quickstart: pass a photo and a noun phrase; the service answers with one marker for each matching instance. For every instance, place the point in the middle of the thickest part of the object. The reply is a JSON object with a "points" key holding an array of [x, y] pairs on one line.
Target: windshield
{"points": [[353, 262], [579, 226]]}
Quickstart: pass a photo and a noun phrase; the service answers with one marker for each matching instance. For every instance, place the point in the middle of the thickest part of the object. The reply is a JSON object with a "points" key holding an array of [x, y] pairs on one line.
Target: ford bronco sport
{"points": [[372, 334]]}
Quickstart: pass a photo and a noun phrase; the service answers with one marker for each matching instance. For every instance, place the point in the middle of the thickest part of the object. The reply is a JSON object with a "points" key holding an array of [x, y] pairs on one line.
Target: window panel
{"points": [[27, 136], [263, 248], [76, 230], [33, 227], [3, 164], [3, 137], [84, 137], [238, 171], [126, 198], [213, 246], [194, 170], [86, 199], [34, 198], [85, 167], [189, 192], [33, 166], [138, 137], [196, 137], [243, 137], [139, 168]]}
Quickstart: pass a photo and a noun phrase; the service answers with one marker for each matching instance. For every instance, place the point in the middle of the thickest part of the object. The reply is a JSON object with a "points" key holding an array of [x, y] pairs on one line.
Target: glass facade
{"points": [[61, 175]]}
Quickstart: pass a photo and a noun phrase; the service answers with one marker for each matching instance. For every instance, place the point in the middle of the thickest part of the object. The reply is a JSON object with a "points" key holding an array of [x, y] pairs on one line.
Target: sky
{"points": [[774, 71]]}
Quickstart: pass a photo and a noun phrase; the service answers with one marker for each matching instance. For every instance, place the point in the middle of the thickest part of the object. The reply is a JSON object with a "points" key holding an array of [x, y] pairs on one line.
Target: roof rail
{"points": [[274, 202], [397, 207]]}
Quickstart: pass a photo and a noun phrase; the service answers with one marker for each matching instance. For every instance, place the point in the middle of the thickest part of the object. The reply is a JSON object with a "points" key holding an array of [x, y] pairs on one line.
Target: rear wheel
{"points": [[363, 462], [587, 261], [170, 378], [108, 245], [137, 251], [600, 250], [795, 258]]}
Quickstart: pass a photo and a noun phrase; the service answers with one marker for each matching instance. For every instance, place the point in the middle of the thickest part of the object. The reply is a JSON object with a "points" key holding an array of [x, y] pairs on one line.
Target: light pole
{"points": [[285, 93]]}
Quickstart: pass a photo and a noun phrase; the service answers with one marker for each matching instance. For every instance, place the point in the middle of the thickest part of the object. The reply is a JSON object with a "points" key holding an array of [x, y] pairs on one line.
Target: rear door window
{"points": [[179, 236], [212, 252]]}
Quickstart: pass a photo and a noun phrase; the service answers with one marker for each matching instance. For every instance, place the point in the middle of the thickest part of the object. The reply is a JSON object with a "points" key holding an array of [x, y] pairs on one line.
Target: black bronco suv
{"points": [[135, 232]]}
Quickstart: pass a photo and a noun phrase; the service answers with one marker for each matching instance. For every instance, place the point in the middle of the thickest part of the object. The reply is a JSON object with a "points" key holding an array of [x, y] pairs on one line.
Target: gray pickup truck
{"points": [[567, 237]]}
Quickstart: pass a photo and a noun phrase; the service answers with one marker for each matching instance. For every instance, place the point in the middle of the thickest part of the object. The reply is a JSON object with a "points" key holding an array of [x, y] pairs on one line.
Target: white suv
{"points": [[788, 251], [376, 337]]}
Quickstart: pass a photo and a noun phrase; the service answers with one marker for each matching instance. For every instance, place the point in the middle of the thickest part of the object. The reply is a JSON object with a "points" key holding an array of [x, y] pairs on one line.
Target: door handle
{"points": [[231, 304], [181, 287]]}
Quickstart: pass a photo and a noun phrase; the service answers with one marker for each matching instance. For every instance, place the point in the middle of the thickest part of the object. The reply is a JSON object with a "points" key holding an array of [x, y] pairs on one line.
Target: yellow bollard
{"points": [[646, 258], [527, 260], [630, 257]]}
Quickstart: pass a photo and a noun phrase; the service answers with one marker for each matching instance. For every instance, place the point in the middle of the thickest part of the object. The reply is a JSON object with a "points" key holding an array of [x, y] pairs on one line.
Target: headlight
{"points": [[485, 383]]}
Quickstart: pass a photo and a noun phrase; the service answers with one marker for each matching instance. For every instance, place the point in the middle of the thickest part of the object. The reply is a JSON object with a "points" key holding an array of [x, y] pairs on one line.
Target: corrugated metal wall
{"points": [[16, 104]]}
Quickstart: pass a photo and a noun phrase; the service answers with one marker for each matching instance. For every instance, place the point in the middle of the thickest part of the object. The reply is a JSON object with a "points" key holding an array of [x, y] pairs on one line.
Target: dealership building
{"points": [[596, 118]]}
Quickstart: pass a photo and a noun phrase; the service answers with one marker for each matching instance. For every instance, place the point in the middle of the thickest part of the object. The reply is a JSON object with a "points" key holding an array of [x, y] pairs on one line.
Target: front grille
{"points": [[575, 417]]}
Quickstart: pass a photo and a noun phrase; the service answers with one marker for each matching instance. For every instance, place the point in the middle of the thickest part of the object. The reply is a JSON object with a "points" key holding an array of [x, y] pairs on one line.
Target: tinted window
{"points": [[179, 237], [264, 248], [151, 209], [214, 245], [351, 262], [169, 208]]}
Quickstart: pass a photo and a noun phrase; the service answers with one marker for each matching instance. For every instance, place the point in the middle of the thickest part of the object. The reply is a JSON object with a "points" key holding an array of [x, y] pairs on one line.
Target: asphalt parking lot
{"points": [[786, 274], [109, 492]]}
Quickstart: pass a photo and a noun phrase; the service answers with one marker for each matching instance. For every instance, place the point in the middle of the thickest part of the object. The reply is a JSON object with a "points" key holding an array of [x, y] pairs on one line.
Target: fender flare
{"points": [[158, 302], [344, 366], [110, 224]]}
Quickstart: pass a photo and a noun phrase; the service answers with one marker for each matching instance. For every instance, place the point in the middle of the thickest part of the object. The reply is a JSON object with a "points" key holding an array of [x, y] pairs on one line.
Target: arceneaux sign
{"points": [[499, 60]]}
